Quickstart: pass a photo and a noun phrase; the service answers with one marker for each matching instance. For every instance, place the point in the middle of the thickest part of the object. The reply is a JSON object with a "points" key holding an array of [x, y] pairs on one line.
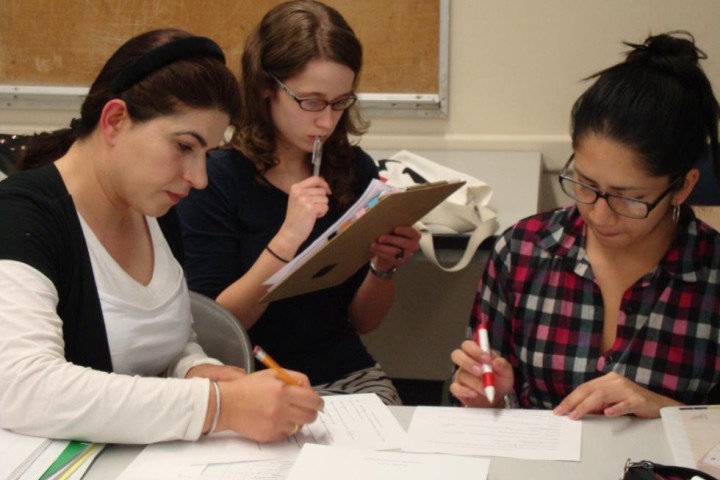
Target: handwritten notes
{"points": [[530, 434]]}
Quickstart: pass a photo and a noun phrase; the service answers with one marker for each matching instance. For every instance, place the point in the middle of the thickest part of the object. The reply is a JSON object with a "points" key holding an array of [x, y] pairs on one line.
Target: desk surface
{"points": [[606, 444]]}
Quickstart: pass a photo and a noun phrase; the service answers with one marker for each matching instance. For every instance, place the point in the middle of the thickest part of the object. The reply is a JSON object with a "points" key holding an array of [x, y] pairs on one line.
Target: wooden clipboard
{"points": [[349, 250]]}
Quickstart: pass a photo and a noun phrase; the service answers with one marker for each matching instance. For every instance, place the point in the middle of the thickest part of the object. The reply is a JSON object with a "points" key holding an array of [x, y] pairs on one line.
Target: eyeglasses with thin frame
{"points": [[317, 104], [623, 206]]}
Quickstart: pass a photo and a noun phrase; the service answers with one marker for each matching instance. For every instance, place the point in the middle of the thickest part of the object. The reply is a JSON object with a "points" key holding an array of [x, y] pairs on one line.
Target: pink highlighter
{"points": [[481, 337]]}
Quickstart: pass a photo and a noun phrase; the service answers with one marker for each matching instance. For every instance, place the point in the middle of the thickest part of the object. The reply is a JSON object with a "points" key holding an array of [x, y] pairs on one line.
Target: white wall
{"points": [[515, 69]]}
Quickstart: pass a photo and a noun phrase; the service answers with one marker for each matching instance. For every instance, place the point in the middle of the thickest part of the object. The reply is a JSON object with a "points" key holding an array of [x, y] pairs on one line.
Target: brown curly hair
{"points": [[288, 37]]}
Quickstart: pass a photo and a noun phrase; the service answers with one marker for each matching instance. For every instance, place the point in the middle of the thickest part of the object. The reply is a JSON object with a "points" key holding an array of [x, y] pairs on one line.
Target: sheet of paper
{"points": [[515, 433], [349, 420], [44, 460], [320, 462], [261, 470], [360, 420], [375, 188], [693, 433], [182, 460], [18, 452]]}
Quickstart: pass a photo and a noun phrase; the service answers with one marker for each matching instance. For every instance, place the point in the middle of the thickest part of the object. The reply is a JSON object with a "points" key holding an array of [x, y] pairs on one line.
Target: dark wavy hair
{"points": [[288, 37], [658, 102], [198, 81]]}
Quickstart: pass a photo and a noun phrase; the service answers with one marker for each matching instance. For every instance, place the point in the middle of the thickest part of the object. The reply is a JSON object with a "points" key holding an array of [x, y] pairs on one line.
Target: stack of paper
{"points": [[24, 457], [368, 199], [358, 421], [18, 452], [693, 433], [359, 435], [72, 463]]}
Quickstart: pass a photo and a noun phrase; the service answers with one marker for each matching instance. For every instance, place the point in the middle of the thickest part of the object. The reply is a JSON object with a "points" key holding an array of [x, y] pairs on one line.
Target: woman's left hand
{"points": [[395, 248], [216, 372], [613, 395]]}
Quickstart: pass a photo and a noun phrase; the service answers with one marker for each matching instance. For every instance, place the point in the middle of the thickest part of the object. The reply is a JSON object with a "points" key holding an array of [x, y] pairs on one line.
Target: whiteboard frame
{"points": [[28, 97]]}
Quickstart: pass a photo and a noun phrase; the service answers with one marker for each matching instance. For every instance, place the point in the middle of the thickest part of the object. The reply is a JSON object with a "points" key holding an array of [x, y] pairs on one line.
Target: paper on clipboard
{"points": [[340, 251]]}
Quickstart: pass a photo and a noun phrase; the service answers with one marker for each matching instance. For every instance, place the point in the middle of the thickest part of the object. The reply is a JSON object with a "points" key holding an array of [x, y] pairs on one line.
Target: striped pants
{"points": [[369, 380]]}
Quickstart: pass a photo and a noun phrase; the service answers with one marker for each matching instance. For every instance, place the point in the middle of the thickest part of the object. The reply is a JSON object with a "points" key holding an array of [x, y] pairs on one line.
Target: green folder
{"points": [[71, 452]]}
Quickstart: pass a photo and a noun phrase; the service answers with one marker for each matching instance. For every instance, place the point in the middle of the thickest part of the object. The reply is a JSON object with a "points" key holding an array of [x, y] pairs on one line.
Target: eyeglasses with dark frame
{"points": [[623, 206], [317, 104]]}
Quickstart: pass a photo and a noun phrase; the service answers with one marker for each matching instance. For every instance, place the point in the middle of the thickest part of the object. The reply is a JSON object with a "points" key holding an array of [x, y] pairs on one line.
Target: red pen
{"points": [[481, 337]]}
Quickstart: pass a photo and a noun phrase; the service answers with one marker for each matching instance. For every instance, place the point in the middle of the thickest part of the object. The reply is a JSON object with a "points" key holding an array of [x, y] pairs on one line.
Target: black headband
{"points": [[164, 55]]}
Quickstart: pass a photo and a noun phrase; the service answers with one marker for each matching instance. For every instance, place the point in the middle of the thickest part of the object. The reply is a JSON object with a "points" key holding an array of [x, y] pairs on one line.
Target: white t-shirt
{"points": [[147, 326]]}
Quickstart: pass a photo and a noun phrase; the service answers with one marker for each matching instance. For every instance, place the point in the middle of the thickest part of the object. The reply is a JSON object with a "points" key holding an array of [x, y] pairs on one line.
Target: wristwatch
{"points": [[382, 275]]}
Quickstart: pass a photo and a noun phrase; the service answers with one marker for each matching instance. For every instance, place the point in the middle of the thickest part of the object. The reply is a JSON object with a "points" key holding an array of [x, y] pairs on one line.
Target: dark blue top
{"points": [[226, 227]]}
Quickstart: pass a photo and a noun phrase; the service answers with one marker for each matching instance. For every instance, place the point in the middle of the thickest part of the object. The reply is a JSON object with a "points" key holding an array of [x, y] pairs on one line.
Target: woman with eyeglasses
{"points": [[264, 204], [611, 305]]}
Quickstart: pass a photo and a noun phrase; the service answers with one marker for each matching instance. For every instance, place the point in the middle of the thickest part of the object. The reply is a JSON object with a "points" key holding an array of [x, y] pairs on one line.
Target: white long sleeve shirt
{"points": [[149, 333]]}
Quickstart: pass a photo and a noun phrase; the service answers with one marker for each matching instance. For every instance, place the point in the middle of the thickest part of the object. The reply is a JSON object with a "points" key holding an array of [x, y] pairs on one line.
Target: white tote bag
{"points": [[463, 212]]}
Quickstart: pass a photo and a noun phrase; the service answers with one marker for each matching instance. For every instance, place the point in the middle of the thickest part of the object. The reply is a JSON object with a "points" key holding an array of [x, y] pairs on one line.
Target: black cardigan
{"points": [[39, 226]]}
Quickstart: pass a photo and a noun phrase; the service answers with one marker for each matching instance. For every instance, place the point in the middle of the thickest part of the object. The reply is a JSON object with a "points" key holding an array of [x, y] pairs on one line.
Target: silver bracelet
{"points": [[217, 407]]}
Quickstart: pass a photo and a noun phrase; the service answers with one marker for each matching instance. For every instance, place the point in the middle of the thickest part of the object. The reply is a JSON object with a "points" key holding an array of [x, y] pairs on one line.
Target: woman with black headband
{"points": [[93, 304]]}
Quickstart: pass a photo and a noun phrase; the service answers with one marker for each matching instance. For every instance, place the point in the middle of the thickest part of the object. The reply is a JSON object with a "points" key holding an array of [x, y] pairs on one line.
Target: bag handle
{"points": [[481, 232], [646, 469]]}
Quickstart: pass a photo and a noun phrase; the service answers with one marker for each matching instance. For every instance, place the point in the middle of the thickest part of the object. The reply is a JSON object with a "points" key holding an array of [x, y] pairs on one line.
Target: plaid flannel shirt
{"points": [[545, 313]]}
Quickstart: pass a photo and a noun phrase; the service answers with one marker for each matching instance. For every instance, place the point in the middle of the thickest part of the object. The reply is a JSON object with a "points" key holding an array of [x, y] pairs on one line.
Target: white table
{"points": [[606, 444]]}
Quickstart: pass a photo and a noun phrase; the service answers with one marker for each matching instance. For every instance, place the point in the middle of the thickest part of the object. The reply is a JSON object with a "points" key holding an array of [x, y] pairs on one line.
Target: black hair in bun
{"points": [[666, 47], [658, 102]]}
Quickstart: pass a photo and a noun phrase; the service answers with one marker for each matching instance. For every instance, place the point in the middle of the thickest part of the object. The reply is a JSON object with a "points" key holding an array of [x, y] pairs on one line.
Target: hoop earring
{"points": [[676, 213]]}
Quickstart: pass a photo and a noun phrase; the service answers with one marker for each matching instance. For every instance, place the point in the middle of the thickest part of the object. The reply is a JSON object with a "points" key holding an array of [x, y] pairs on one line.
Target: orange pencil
{"points": [[268, 361]]}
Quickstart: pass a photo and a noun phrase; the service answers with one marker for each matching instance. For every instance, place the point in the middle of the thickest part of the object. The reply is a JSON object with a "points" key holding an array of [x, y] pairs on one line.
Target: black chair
{"points": [[11, 147]]}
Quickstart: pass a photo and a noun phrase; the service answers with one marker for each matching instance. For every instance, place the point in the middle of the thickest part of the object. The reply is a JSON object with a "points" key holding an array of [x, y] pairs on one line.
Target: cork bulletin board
{"points": [[65, 42]]}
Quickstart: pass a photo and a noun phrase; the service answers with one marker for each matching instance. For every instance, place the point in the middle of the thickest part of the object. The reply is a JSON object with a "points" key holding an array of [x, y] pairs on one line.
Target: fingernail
{"points": [[476, 369]]}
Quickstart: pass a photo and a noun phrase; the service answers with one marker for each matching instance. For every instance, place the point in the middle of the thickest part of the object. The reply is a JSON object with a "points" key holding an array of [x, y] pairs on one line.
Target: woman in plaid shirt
{"points": [[611, 305]]}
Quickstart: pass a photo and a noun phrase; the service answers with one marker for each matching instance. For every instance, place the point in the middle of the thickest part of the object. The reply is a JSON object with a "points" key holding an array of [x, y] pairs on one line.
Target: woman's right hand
{"points": [[308, 201], [467, 385], [262, 407]]}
